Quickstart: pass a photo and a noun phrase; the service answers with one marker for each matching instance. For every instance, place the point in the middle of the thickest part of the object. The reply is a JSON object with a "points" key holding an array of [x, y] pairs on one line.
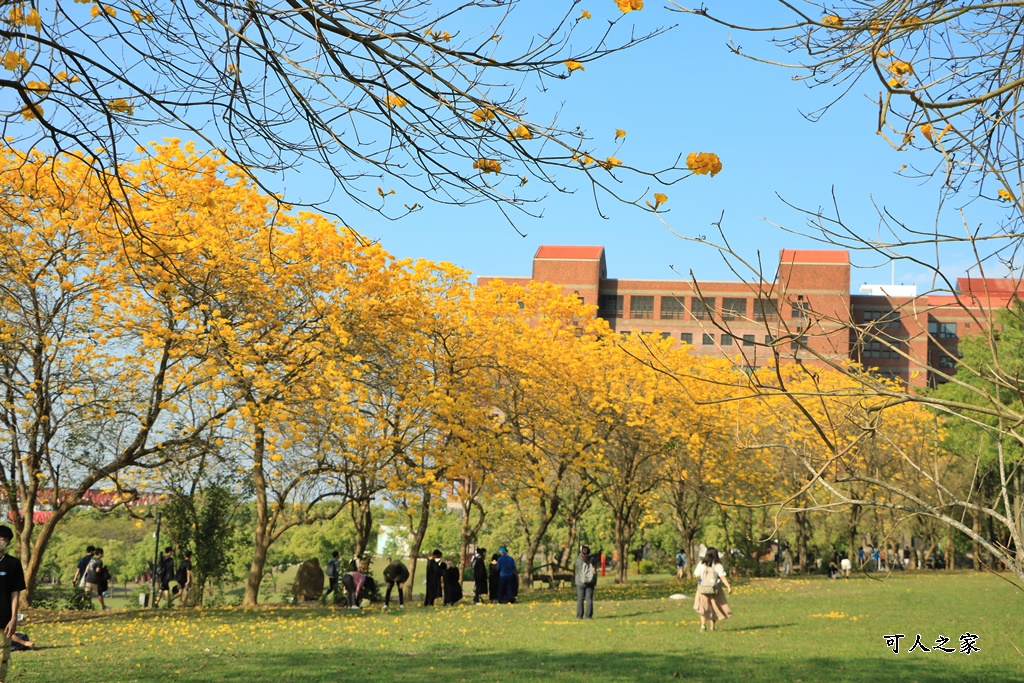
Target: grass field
{"points": [[799, 630]]}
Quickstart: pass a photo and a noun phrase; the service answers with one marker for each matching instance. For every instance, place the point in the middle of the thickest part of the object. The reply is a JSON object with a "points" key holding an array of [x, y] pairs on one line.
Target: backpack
{"points": [[680, 560], [587, 574], [165, 570], [705, 587]]}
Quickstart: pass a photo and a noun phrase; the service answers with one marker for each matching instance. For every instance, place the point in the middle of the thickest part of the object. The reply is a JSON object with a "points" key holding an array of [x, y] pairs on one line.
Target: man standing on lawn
{"points": [[12, 582], [506, 577]]}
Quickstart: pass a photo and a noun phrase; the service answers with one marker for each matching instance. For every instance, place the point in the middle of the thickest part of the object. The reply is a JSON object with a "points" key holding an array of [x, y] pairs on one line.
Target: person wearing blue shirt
{"points": [[506, 576]]}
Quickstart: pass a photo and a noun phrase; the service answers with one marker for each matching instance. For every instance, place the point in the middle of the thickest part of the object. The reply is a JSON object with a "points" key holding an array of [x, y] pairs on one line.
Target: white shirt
{"points": [[698, 571]]}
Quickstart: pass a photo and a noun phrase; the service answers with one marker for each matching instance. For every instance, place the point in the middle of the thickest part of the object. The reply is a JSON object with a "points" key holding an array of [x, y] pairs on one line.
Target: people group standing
{"points": [[586, 581], [710, 602]]}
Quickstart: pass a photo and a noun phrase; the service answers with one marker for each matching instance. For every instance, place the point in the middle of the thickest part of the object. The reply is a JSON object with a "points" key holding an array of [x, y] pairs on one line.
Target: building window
{"points": [[686, 338], [942, 330], [748, 340], [799, 308], [672, 308], [946, 362], [798, 341], [726, 340], [609, 306], [768, 339], [877, 349], [707, 339], [882, 318], [641, 306], [702, 309], [733, 308], [766, 310]]}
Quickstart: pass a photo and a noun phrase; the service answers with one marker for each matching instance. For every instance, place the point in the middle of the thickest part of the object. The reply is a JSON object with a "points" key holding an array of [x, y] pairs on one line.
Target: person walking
{"points": [[333, 573], [83, 564], [506, 577], [710, 602], [452, 583], [586, 581], [395, 574], [164, 576], [94, 575], [680, 564], [12, 582], [184, 579], [479, 564]]}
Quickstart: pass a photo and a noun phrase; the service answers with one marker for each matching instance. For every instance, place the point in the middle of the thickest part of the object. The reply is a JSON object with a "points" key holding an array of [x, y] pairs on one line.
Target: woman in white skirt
{"points": [[710, 602]]}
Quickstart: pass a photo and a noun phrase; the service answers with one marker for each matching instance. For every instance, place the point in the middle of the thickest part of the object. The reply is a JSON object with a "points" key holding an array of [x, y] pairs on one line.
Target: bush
{"points": [[646, 567], [78, 600]]}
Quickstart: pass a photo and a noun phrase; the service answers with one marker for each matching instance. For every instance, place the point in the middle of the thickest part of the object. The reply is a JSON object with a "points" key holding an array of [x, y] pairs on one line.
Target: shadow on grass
{"points": [[697, 664]]}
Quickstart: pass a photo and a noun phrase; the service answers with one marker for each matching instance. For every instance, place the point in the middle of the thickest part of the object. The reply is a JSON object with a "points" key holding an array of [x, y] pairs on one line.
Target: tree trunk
{"points": [[362, 517], [262, 535], [851, 531], [416, 535], [801, 541], [623, 536]]}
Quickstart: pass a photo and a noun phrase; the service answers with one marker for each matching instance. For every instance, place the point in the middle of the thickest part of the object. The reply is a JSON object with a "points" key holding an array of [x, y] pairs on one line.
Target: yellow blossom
{"points": [[619, 133], [1005, 195], [34, 20], [832, 20], [573, 65], [140, 16], [38, 87], [900, 68], [13, 61], [396, 101], [520, 132], [610, 163], [585, 14], [63, 76], [926, 131], [659, 199], [32, 111], [481, 115], [487, 166], [121, 106], [16, 16], [702, 163], [630, 5]]}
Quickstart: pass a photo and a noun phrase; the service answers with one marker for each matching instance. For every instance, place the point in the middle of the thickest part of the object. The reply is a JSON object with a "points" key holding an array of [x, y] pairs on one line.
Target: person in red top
{"points": [[12, 582]]}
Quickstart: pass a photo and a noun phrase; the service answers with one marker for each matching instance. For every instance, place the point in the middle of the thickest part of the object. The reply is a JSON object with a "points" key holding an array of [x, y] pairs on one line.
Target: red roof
{"points": [[813, 256], [990, 285], [558, 252]]}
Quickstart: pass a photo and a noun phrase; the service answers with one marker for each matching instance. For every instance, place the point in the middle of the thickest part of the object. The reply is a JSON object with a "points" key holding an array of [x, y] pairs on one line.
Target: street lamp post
{"points": [[156, 559]]}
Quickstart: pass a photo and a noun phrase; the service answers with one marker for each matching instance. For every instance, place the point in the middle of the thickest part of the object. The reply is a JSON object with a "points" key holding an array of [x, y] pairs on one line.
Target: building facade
{"points": [[806, 313]]}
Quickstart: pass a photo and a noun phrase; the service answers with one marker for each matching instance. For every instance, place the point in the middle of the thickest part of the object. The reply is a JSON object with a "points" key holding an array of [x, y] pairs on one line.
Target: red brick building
{"points": [[805, 313]]}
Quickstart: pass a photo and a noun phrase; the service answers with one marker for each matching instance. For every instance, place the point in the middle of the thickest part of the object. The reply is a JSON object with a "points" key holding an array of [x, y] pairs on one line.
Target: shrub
{"points": [[78, 600], [646, 567]]}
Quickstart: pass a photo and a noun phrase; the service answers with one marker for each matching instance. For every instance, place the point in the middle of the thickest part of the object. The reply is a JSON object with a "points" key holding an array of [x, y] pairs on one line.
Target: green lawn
{"points": [[783, 630]]}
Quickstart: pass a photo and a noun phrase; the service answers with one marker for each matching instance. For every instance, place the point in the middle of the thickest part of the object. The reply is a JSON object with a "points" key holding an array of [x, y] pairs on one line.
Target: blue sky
{"points": [[684, 92]]}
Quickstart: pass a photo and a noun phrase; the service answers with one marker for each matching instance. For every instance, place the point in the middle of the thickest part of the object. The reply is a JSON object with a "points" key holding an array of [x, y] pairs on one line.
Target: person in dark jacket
{"points": [[452, 583], [435, 578], [479, 575], [492, 578], [395, 574]]}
